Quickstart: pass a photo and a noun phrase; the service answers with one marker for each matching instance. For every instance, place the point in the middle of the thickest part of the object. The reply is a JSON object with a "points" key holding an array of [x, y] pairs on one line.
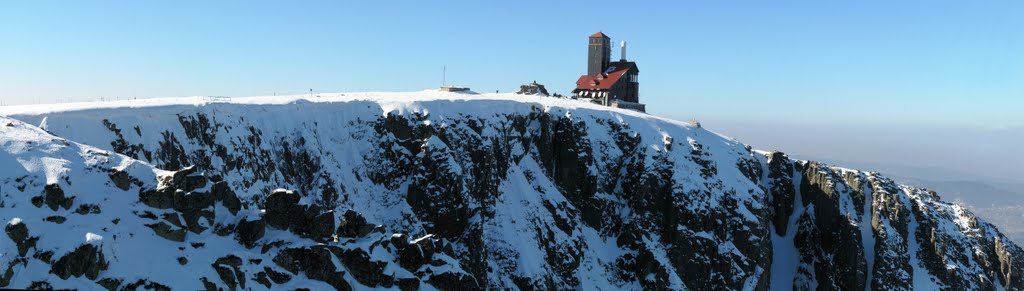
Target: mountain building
{"points": [[533, 89], [609, 83]]}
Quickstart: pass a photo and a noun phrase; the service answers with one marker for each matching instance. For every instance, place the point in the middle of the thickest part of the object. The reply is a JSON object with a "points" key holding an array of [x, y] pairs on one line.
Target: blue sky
{"points": [[876, 63]]}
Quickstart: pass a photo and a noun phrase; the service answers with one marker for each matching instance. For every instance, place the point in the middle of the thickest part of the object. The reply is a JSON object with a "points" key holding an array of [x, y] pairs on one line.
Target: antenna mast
{"points": [[444, 76], [623, 54]]}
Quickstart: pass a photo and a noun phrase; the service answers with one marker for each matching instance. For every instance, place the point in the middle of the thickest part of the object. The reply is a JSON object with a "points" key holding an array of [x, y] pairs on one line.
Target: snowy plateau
{"points": [[431, 190]]}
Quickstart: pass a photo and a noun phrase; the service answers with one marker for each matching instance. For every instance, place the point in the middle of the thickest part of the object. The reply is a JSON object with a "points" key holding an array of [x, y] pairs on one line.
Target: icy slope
{"points": [[510, 191]]}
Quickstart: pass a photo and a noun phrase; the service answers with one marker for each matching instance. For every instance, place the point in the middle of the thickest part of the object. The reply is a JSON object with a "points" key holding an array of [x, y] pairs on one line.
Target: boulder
{"points": [[177, 191], [412, 255], [365, 270], [284, 212], [187, 179], [409, 284], [277, 277], [53, 197], [282, 208], [399, 240], [316, 262], [247, 232], [86, 260], [228, 271], [192, 200], [321, 228], [159, 198], [109, 283], [18, 232], [223, 193], [168, 232], [192, 217], [353, 225], [121, 180]]}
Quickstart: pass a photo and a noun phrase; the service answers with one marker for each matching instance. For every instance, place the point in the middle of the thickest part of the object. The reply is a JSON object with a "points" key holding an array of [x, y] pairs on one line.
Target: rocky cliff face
{"points": [[456, 192]]}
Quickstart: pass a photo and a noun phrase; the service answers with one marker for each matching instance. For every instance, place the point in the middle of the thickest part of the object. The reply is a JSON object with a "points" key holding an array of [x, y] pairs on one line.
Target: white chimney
{"points": [[623, 50]]}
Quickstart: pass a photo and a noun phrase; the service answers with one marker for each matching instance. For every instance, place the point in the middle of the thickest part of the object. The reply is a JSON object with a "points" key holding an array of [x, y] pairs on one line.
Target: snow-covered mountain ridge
{"points": [[452, 191]]}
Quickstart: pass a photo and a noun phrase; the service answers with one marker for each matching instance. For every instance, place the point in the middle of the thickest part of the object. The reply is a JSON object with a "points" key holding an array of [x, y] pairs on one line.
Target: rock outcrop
{"points": [[460, 195], [86, 260], [284, 212]]}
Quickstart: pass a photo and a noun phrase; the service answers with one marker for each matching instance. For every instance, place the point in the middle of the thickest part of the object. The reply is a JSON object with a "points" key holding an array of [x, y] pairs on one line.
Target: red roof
{"points": [[599, 34], [604, 81]]}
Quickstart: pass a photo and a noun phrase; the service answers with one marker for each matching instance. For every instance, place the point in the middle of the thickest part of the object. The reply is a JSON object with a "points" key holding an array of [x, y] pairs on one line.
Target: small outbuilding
{"points": [[533, 89], [454, 89]]}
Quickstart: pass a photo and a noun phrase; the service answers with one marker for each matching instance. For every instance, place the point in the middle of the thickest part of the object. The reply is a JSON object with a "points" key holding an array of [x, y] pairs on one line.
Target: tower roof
{"points": [[599, 34], [605, 80]]}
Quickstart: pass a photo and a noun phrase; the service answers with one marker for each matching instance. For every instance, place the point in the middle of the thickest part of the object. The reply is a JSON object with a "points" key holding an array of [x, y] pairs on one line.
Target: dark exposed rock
{"points": [[282, 206], [277, 277], [45, 256], [18, 232], [453, 281], [56, 219], [668, 204], [833, 234], [121, 146], [262, 279], [210, 286], [780, 190], [168, 232], [85, 209], [192, 200], [177, 191], [192, 219], [436, 195], [408, 284], [183, 192], [121, 180], [315, 262], [1009, 262], [229, 273], [147, 285], [365, 270], [400, 241], [353, 225], [248, 232], [53, 197], [160, 198], [223, 230], [411, 258], [5, 277], [889, 222], [171, 154], [283, 211], [172, 218], [86, 260], [40, 285], [110, 284], [223, 193]]}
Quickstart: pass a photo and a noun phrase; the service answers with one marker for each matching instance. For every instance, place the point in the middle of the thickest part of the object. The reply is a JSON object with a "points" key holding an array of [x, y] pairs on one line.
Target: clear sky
{"points": [[895, 64]]}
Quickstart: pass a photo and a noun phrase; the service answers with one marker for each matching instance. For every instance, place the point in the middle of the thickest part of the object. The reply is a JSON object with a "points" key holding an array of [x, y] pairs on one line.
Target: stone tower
{"points": [[599, 53]]}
